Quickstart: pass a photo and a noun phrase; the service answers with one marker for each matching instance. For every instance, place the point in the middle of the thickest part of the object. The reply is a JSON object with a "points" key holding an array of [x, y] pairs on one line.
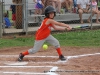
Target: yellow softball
{"points": [[45, 47]]}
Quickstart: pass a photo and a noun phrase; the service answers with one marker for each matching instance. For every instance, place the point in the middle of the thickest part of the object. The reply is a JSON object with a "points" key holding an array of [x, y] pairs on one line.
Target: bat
{"points": [[81, 27]]}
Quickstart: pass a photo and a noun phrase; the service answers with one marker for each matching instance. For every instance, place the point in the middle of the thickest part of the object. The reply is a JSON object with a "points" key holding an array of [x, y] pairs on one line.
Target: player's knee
{"points": [[57, 44], [31, 51]]}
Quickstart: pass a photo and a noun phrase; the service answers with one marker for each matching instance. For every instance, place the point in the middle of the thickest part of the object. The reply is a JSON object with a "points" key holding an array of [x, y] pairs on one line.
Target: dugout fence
{"points": [[28, 21]]}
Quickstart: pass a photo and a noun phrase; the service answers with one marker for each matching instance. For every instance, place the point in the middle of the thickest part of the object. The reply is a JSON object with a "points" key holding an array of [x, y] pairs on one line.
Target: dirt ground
{"points": [[80, 61]]}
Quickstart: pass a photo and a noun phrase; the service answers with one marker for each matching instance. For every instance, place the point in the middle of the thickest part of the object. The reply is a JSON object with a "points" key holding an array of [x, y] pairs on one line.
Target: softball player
{"points": [[43, 34]]}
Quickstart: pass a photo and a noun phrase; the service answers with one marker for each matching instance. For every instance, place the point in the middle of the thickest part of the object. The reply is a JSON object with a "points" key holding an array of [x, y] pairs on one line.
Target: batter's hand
{"points": [[68, 28]]}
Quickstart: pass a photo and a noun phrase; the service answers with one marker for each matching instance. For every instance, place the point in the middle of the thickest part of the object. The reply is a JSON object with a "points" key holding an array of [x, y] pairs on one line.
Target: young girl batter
{"points": [[43, 34]]}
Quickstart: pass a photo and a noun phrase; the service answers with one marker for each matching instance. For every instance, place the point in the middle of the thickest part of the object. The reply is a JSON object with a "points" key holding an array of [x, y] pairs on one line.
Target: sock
{"points": [[25, 53], [59, 51]]}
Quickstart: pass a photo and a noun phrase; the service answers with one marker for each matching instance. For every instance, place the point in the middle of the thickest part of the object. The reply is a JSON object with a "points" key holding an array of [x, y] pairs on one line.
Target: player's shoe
{"points": [[62, 58], [20, 57]]}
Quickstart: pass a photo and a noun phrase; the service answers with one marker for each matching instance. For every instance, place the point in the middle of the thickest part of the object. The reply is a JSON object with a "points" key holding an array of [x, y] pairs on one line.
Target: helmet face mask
{"points": [[48, 10]]}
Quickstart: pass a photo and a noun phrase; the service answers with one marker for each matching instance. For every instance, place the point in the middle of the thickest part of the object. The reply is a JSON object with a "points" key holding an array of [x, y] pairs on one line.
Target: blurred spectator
{"points": [[43, 1], [83, 7], [69, 4], [7, 22], [75, 6], [13, 9], [38, 7], [95, 11], [47, 2], [75, 3], [57, 3]]}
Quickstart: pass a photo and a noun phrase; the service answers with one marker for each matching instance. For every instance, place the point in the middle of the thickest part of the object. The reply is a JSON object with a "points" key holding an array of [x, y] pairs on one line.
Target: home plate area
{"points": [[50, 65]]}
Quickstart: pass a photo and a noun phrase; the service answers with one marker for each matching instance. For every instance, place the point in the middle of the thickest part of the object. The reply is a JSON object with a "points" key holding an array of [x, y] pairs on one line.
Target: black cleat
{"points": [[62, 58], [20, 57]]}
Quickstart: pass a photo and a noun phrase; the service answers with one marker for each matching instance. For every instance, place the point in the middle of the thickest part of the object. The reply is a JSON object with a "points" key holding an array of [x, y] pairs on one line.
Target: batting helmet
{"points": [[48, 10]]}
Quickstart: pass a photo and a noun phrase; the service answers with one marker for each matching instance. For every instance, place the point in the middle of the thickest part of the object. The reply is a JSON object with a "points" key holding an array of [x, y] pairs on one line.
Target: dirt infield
{"points": [[80, 61]]}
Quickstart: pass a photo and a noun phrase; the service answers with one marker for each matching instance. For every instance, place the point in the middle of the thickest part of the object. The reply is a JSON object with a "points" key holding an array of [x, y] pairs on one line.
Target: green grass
{"points": [[16, 42], [78, 38]]}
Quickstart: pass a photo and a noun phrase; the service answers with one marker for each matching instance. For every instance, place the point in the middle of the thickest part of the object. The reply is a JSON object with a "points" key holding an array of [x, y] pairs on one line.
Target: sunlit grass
{"points": [[78, 38]]}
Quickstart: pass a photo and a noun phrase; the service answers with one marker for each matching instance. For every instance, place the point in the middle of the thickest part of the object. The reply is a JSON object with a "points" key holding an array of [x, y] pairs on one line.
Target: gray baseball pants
{"points": [[38, 44]]}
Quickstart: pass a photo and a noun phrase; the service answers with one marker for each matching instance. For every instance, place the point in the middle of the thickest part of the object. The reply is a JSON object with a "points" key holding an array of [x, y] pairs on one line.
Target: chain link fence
{"points": [[0, 18], [24, 16]]}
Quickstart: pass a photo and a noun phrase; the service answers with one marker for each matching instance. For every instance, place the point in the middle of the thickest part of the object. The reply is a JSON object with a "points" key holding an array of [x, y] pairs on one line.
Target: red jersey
{"points": [[44, 30]]}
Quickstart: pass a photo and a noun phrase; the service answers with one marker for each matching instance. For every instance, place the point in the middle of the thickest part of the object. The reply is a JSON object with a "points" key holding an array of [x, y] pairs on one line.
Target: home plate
{"points": [[16, 63]]}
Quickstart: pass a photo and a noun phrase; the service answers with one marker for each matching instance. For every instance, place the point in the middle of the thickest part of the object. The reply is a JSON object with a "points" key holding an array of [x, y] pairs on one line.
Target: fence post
{"points": [[91, 13], [25, 16], [1, 19]]}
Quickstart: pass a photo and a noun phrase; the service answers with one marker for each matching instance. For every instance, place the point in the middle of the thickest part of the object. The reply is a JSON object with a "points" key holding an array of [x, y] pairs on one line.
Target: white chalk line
{"points": [[7, 56], [26, 66], [52, 69], [30, 73], [30, 56], [25, 73], [84, 55]]}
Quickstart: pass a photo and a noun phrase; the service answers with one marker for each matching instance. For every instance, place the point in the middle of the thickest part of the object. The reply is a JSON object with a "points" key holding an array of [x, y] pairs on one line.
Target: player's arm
{"points": [[53, 22], [58, 28]]}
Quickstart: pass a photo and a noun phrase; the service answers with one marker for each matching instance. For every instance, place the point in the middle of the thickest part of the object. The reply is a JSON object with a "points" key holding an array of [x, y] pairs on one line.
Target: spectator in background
{"points": [[55, 4], [75, 6], [69, 4], [75, 3], [38, 7], [83, 7], [13, 9], [47, 2], [6, 21], [95, 11]]}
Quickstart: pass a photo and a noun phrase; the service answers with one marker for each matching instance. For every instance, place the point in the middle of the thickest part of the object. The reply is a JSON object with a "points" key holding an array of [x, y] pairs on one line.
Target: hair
{"points": [[13, 0], [47, 15], [5, 15]]}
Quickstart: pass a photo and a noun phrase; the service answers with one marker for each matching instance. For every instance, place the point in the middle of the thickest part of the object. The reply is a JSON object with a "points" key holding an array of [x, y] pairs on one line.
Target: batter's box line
{"points": [[68, 57], [84, 55], [76, 56], [53, 68]]}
